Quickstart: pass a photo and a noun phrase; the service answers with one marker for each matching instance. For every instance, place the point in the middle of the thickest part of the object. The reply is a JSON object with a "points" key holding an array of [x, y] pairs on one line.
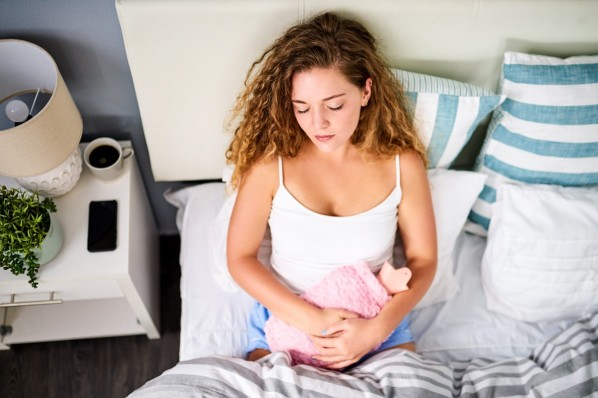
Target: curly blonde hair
{"points": [[263, 114]]}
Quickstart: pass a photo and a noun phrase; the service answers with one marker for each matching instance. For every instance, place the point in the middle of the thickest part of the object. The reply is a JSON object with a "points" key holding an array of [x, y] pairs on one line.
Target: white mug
{"points": [[105, 157]]}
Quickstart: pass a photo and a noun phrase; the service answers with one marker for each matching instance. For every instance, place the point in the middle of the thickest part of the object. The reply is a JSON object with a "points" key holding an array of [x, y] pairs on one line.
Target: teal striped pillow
{"points": [[545, 131], [446, 113]]}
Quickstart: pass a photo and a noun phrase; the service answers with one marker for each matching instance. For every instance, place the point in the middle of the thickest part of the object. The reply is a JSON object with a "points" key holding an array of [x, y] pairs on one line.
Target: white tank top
{"points": [[307, 245]]}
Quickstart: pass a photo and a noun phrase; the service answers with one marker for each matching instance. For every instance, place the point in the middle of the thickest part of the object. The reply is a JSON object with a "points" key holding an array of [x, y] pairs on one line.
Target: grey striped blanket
{"points": [[564, 366]]}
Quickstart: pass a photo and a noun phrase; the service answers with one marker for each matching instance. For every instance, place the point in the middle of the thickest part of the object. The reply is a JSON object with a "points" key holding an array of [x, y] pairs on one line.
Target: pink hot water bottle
{"points": [[352, 287]]}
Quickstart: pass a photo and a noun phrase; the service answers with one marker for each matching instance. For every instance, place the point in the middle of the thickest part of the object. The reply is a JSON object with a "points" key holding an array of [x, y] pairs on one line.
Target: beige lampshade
{"points": [[50, 137]]}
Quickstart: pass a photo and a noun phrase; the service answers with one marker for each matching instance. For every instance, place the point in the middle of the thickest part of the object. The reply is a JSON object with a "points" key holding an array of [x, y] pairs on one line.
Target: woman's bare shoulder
{"points": [[413, 170], [262, 175], [410, 157]]}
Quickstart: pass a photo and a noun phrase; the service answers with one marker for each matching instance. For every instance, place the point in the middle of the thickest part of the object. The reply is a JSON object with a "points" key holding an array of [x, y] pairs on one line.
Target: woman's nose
{"points": [[320, 121]]}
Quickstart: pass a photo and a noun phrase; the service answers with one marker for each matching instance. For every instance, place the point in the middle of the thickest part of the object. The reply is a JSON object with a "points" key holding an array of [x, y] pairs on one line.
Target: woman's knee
{"points": [[257, 354]]}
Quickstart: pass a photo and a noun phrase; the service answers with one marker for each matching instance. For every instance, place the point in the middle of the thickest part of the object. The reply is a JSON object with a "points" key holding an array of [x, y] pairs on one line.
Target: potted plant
{"points": [[29, 234]]}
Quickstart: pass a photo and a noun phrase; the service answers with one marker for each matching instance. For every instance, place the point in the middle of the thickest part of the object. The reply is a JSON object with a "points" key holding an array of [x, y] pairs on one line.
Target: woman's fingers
{"points": [[324, 342], [330, 316], [333, 352], [335, 361], [341, 325], [330, 346], [335, 328]]}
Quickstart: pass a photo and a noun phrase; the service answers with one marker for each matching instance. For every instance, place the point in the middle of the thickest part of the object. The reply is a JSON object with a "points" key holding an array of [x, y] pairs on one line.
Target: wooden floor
{"points": [[108, 367]]}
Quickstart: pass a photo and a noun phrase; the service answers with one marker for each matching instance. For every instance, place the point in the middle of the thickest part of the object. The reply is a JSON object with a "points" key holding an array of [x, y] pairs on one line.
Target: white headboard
{"points": [[189, 58]]}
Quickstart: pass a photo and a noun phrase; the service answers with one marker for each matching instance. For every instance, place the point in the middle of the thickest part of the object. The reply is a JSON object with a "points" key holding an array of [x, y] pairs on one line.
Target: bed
{"points": [[505, 95]]}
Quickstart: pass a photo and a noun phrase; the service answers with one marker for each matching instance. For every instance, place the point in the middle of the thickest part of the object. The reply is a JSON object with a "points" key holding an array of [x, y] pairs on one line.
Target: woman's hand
{"points": [[346, 342], [328, 317]]}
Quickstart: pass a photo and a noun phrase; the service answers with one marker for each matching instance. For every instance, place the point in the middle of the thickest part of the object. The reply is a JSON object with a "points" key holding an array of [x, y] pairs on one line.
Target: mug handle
{"points": [[127, 152]]}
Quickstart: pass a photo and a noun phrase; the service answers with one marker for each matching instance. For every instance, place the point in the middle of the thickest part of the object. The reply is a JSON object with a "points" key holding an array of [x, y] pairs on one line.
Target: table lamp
{"points": [[39, 147]]}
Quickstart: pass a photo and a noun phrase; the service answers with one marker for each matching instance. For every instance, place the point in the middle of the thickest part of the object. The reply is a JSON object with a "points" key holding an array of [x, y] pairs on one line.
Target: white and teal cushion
{"points": [[446, 113], [544, 132]]}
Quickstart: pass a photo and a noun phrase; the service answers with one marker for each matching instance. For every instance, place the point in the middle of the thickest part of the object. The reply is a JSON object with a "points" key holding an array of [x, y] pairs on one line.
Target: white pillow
{"points": [[218, 231], [541, 261], [213, 322], [544, 132], [453, 194], [446, 113]]}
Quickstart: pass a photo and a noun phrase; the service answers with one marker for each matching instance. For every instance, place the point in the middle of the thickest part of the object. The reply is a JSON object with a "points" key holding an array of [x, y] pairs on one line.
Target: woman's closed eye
{"points": [[332, 108]]}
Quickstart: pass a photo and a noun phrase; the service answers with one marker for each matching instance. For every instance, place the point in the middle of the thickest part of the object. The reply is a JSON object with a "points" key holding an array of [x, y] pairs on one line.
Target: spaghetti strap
{"points": [[280, 170], [398, 170]]}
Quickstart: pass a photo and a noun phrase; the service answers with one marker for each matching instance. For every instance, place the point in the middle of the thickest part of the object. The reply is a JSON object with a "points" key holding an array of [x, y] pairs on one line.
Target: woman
{"points": [[325, 153]]}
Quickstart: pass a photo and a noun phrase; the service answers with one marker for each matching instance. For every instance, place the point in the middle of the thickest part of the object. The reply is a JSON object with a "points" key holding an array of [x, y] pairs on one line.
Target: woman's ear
{"points": [[367, 92]]}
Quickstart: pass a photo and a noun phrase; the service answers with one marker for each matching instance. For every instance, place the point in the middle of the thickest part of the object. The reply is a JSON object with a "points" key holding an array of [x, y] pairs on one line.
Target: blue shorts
{"points": [[260, 314]]}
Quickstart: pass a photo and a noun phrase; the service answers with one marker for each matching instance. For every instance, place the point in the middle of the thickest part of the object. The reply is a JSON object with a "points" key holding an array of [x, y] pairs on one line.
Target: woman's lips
{"points": [[324, 138]]}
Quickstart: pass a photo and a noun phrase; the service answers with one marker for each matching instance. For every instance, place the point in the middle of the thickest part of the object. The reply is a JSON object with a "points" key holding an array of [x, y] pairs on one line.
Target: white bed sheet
{"points": [[213, 320], [463, 328]]}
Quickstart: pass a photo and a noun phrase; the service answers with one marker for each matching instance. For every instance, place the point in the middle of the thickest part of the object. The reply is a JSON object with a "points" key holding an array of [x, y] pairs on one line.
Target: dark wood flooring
{"points": [[108, 367]]}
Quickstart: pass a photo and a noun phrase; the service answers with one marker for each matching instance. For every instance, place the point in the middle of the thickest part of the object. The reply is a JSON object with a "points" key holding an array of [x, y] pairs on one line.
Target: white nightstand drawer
{"points": [[70, 320], [88, 290]]}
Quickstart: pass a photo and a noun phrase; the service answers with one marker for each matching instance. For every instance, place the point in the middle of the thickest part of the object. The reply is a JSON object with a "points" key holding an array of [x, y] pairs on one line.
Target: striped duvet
{"points": [[564, 366]]}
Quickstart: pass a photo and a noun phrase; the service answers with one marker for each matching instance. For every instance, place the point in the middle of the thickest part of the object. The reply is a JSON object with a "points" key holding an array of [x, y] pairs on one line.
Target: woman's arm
{"points": [[246, 231], [355, 338], [417, 227]]}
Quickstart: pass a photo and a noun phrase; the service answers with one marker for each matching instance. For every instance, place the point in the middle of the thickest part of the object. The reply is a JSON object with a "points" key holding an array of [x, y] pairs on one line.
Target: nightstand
{"points": [[103, 294]]}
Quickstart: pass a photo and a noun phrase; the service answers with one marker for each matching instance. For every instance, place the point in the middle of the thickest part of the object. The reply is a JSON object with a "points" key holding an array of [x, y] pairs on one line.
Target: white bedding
{"points": [[462, 328], [212, 320]]}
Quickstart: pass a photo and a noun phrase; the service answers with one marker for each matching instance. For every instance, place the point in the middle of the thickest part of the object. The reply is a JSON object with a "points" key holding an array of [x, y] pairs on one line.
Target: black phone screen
{"points": [[101, 231]]}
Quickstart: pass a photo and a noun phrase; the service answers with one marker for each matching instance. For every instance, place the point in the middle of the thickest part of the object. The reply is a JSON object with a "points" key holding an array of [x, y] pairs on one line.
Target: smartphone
{"points": [[101, 230]]}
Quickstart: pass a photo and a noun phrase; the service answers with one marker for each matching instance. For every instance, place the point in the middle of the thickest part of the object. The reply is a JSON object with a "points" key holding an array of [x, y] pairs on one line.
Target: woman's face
{"points": [[327, 106]]}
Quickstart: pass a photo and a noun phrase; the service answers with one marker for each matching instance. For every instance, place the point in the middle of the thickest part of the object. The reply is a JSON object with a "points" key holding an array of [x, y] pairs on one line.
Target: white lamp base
{"points": [[57, 181]]}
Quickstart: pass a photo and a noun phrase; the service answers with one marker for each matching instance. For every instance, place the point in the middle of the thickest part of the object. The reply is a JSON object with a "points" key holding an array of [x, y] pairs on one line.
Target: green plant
{"points": [[24, 223]]}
